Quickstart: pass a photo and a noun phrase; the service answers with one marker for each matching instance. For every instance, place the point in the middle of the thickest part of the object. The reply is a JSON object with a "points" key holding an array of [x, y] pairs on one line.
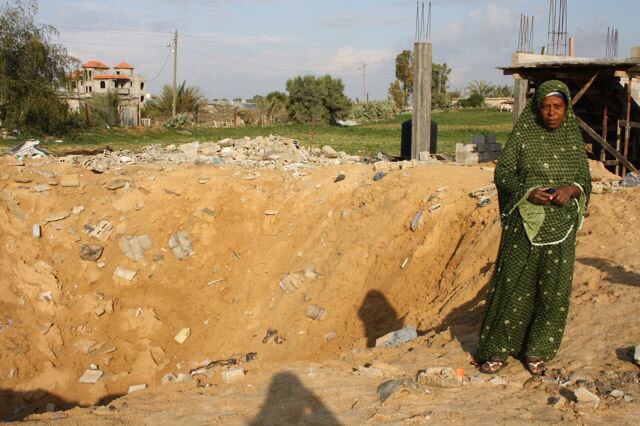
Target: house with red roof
{"points": [[98, 78]]}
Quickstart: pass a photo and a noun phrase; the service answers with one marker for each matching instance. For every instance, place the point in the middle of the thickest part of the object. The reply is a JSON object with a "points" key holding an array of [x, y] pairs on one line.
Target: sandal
{"points": [[536, 366], [492, 366]]}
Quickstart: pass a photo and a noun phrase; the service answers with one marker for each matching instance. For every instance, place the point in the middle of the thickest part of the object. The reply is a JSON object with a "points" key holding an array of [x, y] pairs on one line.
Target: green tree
{"points": [[397, 95], [276, 105], [104, 107], [34, 72], [189, 99], [481, 87], [404, 70], [475, 100], [317, 100], [505, 91]]}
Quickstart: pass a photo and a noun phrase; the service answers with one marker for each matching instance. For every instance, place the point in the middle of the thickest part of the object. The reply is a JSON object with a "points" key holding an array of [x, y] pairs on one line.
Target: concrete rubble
{"points": [[442, 377], [232, 375], [585, 398], [181, 245], [136, 388], [397, 337], [91, 252], [134, 246], [91, 376]]}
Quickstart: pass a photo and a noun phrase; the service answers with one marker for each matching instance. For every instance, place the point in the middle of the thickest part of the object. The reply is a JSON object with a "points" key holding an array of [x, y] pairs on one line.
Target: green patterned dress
{"points": [[528, 298]]}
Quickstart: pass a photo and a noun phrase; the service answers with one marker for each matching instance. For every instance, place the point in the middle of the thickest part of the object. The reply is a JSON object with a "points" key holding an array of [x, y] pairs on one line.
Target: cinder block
{"points": [[489, 138], [478, 139]]}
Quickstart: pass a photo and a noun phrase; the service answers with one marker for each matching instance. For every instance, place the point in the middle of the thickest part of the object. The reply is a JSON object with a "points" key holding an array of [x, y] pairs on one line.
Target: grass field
{"points": [[367, 139]]}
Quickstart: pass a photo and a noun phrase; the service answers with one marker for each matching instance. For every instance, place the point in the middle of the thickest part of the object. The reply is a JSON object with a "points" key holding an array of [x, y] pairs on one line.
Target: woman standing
{"points": [[543, 185]]}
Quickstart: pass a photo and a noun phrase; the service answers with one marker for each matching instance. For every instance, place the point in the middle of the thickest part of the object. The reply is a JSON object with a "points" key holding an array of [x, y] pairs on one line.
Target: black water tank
{"points": [[405, 141]]}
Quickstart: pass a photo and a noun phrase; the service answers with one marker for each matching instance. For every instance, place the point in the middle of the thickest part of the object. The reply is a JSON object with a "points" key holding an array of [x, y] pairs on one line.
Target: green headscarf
{"points": [[535, 156]]}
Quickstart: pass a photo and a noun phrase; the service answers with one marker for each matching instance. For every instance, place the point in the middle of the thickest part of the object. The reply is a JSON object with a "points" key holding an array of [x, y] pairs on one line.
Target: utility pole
{"points": [[365, 95], [175, 65]]}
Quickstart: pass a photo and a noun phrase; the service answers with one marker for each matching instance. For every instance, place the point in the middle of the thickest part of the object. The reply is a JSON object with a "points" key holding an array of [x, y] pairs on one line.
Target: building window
{"points": [[89, 74], [102, 85], [90, 89], [118, 72], [142, 85], [142, 99], [86, 89]]}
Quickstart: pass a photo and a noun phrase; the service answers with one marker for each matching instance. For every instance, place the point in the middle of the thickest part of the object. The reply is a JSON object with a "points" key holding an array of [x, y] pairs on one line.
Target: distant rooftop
{"points": [[95, 64]]}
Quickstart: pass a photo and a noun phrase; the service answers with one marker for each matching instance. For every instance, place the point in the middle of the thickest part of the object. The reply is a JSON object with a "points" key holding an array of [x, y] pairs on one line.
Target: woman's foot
{"points": [[535, 365], [492, 366]]}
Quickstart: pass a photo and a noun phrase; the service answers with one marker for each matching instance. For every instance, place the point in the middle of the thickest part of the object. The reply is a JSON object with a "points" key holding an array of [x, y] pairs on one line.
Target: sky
{"points": [[240, 48]]}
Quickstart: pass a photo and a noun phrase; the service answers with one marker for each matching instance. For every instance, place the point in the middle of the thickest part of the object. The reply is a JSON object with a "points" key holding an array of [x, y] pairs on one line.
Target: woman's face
{"points": [[552, 111]]}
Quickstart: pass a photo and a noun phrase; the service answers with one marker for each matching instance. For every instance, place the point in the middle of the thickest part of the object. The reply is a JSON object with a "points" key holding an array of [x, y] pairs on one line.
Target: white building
{"points": [[97, 78]]}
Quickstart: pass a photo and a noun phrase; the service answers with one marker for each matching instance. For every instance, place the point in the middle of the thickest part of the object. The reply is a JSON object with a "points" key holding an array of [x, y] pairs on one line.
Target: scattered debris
{"points": [[330, 335], [435, 207], [443, 377], [203, 180], [329, 152], [630, 180], [91, 252], [102, 231], [251, 356], [134, 246], [315, 312], [28, 149], [124, 273], [184, 378], [117, 184], [397, 337], [36, 231], [378, 176], [182, 335], [209, 212], [368, 372], [616, 393], [417, 221], [388, 388], [214, 282], [272, 334], [483, 202], [340, 177], [168, 378], [558, 401], [42, 187], [77, 210], [136, 388], [46, 297], [91, 376], [636, 354], [290, 282], [232, 375], [585, 398], [56, 217], [181, 245], [310, 273], [271, 212], [404, 263], [442, 189]]}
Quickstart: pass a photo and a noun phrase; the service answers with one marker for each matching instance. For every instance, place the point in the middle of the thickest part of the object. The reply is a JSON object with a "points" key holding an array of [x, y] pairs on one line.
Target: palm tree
{"points": [[481, 87], [188, 99]]}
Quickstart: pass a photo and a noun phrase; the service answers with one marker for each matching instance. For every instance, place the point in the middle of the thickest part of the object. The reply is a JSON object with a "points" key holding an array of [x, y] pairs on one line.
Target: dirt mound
{"points": [[241, 258]]}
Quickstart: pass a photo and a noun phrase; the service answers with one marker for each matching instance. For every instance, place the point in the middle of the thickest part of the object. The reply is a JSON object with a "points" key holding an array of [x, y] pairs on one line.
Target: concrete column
{"points": [[421, 120], [520, 96]]}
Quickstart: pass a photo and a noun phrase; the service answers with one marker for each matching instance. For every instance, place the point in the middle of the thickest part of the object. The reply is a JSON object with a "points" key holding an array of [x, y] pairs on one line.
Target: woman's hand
{"points": [[539, 197], [564, 194]]}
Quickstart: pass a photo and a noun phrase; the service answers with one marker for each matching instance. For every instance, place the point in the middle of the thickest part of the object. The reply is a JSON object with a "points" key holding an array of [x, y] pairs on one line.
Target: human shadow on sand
{"points": [[290, 403], [616, 273], [378, 317], [17, 405]]}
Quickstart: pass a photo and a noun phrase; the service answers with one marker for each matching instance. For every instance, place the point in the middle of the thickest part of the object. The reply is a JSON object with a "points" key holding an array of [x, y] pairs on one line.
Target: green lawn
{"points": [[367, 139]]}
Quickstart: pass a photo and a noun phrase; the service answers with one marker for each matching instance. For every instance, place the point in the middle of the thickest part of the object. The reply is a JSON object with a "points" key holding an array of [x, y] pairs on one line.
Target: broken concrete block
{"points": [[315, 312], [329, 152], [42, 187], [271, 212], [417, 221], [91, 376], [77, 210], [91, 252], [182, 335], [181, 245], [124, 274], [586, 399], [636, 354], [117, 184], [370, 372], [102, 231], [56, 217], [136, 388], [443, 377], [483, 202], [232, 375], [498, 381], [134, 246], [397, 337], [36, 231], [475, 139], [290, 282], [70, 181], [388, 388]]}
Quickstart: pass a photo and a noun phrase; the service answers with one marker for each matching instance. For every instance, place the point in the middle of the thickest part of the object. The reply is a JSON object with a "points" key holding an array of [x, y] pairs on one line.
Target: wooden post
{"points": [[627, 128]]}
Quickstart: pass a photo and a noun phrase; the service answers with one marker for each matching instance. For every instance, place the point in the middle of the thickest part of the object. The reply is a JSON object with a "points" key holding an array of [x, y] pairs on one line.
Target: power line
{"points": [[161, 69], [108, 44], [242, 63], [111, 30], [267, 56]]}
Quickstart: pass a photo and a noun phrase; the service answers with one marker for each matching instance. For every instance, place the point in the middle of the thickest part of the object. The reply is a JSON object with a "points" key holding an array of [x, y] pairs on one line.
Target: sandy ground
{"points": [[345, 244]]}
